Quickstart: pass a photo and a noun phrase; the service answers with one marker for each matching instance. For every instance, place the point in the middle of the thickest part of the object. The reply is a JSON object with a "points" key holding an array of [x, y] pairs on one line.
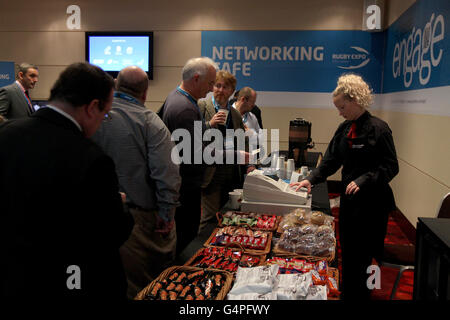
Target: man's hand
{"points": [[164, 227], [250, 169], [218, 118], [304, 183]]}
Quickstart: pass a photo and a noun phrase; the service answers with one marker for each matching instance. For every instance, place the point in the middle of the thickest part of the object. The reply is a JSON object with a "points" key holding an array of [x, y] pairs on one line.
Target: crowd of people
{"points": [[99, 160], [93, 201]]}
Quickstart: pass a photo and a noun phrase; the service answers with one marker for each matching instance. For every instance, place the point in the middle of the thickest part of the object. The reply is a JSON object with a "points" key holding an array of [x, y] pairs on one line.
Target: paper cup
{"points": [[241, 192], [234, 200], [290, 165], [226, 114]]}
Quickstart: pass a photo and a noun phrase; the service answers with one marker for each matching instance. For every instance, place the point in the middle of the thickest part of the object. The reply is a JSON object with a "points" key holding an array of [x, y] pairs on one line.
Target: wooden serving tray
{"points": [[220, 215], [266, 249], [261, 257]]}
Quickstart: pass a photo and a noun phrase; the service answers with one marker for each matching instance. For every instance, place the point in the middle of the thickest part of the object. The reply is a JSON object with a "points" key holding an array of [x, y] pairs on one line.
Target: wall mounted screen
{"points": [[113, 51]]}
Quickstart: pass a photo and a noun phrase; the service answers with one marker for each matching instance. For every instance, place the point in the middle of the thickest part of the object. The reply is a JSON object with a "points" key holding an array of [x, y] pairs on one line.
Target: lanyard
{"points": [[125, 96], [217, 107], [187, 95]]}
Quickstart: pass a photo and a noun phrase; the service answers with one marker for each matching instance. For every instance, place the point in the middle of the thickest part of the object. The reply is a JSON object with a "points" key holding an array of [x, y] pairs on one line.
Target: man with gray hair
{"points": [[15, 101], [180, 111], [140, 145]]}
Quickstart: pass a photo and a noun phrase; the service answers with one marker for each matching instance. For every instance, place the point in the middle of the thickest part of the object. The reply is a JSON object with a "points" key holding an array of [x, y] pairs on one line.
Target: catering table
{"points": [[320, 201]]}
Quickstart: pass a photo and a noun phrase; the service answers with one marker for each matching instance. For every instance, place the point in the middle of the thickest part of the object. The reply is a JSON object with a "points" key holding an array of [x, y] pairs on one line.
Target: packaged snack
{"points": [[317, 217], [248, 261], [296, 264], [308, 266], [293, 286], [258, 279], [318, 279], [332, 287], [252, 296], [308, 228], [322, 267], [317, 293]]}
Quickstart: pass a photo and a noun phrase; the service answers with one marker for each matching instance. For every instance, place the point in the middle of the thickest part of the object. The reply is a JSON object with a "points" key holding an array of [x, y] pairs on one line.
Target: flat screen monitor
{"points": [[113, 51]]}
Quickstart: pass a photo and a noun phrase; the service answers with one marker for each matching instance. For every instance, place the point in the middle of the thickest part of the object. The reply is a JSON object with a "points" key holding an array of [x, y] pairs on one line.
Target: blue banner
{"points": [[418, 48], [6, 73], [296, 61]]}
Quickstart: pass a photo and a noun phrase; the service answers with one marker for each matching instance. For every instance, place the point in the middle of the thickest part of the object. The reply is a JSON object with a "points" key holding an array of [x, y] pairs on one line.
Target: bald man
{"points": [[140, 145]]}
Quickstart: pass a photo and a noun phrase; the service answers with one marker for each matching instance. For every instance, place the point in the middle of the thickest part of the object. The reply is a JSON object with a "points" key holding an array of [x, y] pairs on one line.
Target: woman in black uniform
{"points": [[364, 147]]}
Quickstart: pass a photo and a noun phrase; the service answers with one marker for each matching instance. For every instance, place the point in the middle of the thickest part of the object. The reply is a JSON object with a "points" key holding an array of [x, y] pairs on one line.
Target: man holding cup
{"points": [[219, 114]]}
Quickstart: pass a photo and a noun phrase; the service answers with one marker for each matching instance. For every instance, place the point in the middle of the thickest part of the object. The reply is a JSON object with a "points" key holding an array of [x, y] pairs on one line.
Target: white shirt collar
{"points": [[65, 114], [20, 85]]}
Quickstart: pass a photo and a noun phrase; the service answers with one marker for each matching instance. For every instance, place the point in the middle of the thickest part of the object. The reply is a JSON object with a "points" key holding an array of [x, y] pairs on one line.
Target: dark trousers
{"points": [[362, 228], [187, 215]]}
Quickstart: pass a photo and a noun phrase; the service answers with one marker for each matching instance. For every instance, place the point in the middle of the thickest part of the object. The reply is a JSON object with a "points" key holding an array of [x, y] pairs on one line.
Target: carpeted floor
{"points": [[388, 275]]}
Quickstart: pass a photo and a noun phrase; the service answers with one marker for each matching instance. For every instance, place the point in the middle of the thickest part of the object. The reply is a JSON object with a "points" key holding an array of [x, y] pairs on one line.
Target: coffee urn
{"points": [[299, 141]]}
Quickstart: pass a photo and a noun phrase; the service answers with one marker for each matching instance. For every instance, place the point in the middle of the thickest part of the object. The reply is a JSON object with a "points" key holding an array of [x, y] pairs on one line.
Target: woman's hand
{"points": [[352, 188], [304, 183]]}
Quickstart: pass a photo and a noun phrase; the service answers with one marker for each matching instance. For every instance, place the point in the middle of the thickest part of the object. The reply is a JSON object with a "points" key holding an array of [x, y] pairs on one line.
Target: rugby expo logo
{"points": [[355, 58]]}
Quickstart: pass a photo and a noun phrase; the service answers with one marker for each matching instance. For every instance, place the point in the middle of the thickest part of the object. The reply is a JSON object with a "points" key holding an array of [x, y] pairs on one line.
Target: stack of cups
{"points": [[273, 160], [280, 167], [290, 168]]}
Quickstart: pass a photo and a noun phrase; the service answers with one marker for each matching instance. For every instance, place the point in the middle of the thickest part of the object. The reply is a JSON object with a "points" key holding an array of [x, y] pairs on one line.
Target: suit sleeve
{"points": [[102, 192], [331, 161], [4, 102]]}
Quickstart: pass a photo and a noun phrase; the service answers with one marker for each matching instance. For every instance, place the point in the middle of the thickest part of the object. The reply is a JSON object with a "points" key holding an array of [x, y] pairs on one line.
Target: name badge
{"points": [[357, 146]]}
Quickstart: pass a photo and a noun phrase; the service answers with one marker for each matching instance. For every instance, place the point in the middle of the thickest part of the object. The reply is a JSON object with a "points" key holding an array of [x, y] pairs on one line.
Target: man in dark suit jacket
{"points": [[62, 220], [15, 101]]}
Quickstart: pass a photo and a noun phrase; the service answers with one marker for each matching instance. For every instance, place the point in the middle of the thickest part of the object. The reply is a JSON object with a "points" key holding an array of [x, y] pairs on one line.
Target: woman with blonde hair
{"points": [[363, 146]]}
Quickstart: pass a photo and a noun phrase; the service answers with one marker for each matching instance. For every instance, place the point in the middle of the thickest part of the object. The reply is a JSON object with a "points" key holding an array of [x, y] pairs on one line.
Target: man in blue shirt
{"points": [[140, 145]]}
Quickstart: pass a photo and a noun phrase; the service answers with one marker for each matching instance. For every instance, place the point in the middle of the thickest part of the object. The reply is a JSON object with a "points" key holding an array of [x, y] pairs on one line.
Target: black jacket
{"points": [[60, 206]]}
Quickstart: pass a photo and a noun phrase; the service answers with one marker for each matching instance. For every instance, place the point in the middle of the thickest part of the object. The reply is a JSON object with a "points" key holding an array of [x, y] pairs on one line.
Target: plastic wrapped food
{"points": [[295, 218], [253, 296], [308, 228], [306, 245], [324, 229], [317, 217], [317, 293], [293, 286], [258, 279]]}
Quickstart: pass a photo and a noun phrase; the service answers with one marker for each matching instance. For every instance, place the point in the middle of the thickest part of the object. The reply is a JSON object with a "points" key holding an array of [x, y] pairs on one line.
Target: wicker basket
{"points": [[166, 273], [266, 250], [236, 247], [287, 254], [280, 230], [219, 216]]}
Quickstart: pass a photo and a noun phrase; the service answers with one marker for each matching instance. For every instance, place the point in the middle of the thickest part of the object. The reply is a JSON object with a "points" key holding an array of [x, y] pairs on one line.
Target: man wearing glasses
{"points": [[62, 220]]}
